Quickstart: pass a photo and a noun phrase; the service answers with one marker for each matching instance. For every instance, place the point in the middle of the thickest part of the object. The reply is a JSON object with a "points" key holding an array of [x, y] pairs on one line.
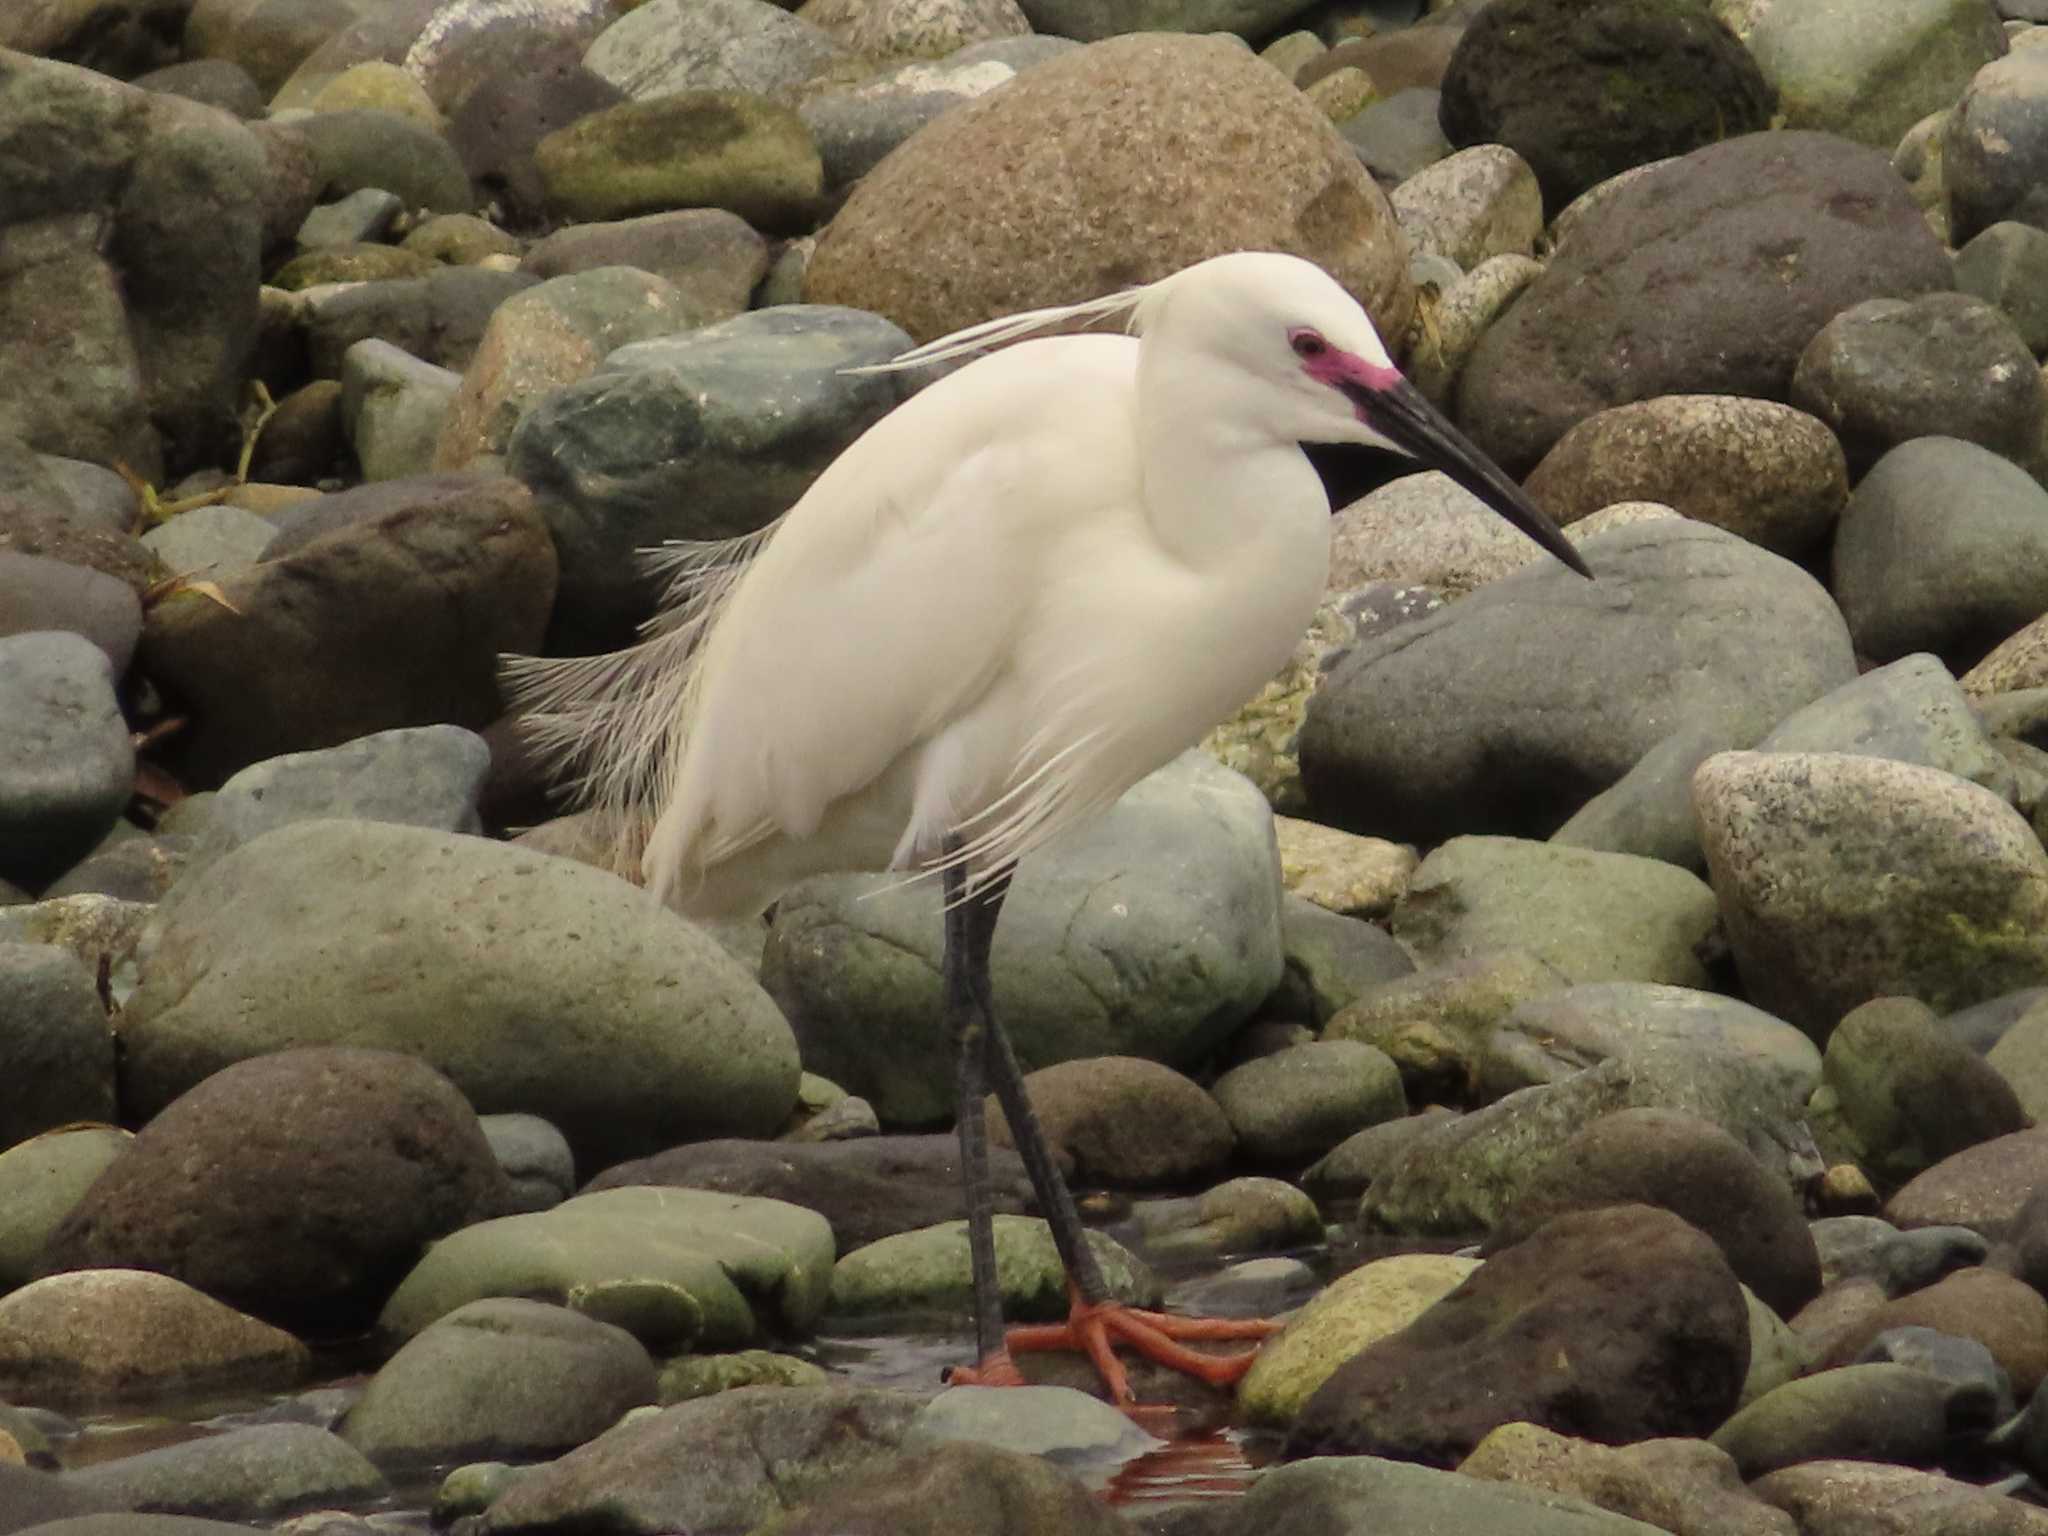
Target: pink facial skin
{"points": [[1336, 367]]}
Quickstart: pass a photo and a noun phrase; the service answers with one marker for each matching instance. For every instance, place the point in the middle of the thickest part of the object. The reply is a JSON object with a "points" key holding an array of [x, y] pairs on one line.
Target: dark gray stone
{"points": [[1943, 548], [1994, 152], [438, 318], [55, 1040], [365, 148], [257, 1472], [2007, 265], [1584, 91], [1504, 712], [37, 592], [67, 766], [1940, 365], [1399, 136], [700, 436], [1708, 274]]}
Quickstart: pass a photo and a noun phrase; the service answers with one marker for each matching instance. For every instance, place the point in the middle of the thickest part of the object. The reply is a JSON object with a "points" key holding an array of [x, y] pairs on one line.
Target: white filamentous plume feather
{"points": [[616, 722]]}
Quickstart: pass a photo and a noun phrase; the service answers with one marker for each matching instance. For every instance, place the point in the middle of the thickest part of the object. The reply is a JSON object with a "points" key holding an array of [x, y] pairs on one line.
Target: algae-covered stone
{"points": [[731, 1266], [1369, 1303], [928, 1271]]}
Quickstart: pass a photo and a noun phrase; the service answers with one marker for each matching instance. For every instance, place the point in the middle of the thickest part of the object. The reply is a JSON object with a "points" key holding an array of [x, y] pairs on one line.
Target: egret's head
{"points": [[1304, 363]]}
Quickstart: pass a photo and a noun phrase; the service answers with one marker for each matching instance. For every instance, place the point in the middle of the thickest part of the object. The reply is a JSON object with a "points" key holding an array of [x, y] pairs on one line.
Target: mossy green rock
{"points": [[731, 1266], [1843, 878], [696, 149], [692, 1376], [1368, 1304], [929, 1271], [361, 263], [41, 1179]]}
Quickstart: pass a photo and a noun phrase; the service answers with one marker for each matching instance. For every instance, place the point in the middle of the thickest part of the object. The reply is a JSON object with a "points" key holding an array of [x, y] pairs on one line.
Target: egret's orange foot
{"points": [[998, 1370], [1094, 1328]]}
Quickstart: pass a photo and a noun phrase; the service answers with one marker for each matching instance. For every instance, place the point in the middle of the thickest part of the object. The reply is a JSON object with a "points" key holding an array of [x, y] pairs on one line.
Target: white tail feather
{"points": [[994, 333]]}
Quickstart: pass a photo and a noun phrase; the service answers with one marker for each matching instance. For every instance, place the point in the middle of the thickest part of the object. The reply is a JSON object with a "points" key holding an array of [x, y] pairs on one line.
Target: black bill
{"points": [[1405, 418]]}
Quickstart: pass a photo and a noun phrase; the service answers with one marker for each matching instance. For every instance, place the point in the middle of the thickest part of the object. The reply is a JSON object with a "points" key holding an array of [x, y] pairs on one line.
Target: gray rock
{"points": [[1295, 1105], [1873, 80], [1940, 365], [536, 1158], [66, 765], [384, 1158], [639, 1033], [1549, 1038], [1865, 1248], [724, 1462], [866, 1189], [1331, 960], [39, 593], [41, 1179], [928, 1271], [1591, 916], [1242, 1215], [1901, 1093], [855, 126], [699, 436], [1397, 1498], [550, 335], [1833, 1496], [1965, 1362], [1648, 810], [1861, 1412], [677, 1268], [1351, 1166], [1463, 311], [1461, 1178], [955, 1487], [1707, 274], [1519, 702], [55, 1036], [1994, 144], [439, 318], [1152, 933], [461, 46], [1770, 473], [1426, 530], [206, 540], [325, 642], [668, 46], [2007, 265], [1469, 207], [1399, 137], [1791, 839], [496, 1378], [393, 408], [1067, 1428], [257, 1472], [713, 259], [428, 776], [363, 215], [1431, 1023], [1970, 527], [33, 1497], [366, 148]]}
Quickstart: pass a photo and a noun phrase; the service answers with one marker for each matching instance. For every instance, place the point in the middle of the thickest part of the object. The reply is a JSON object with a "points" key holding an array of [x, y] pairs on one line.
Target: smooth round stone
{"points": [[693, 1376], [1943, 548], [1432, 1022], [1772, 474], [1940, 365], [2007, 265], [953, 1487], [1332, 960], [639, 1034], [1593, 916], [666, 46], [1788, 838], [55, 1036], [499, 1377], [1470, 207], [1295, 1105], [1371, 1302], [1836, 1496], [536, 1158], [254, 1472], [1995, 144], [100, 1335], [67, 766], [40, 1181], [1865, 1412], [39, 593], [1122, 1120], [1068, 1428], [929, 1271], [678, 1267], [1244, 1215]]}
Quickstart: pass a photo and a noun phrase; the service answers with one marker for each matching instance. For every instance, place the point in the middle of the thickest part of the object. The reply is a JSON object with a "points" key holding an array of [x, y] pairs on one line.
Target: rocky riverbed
{"points": [[1604, 1020]]}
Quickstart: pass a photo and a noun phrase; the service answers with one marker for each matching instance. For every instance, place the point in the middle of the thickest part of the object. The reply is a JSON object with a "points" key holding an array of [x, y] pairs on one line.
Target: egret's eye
{"points": [[1308, 344]]}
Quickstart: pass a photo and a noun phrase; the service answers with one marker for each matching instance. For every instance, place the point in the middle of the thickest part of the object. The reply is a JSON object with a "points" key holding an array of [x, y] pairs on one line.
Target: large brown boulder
{"points": [[1111, 166]]}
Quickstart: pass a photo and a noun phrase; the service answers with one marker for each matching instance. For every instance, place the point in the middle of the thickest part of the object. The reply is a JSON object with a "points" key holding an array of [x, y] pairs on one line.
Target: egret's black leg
{"points": [[970, 927], [986, 1061]]}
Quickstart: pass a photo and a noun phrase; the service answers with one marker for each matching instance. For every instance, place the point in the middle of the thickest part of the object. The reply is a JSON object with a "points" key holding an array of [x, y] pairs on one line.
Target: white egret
{"points": [[1030, 585]]}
